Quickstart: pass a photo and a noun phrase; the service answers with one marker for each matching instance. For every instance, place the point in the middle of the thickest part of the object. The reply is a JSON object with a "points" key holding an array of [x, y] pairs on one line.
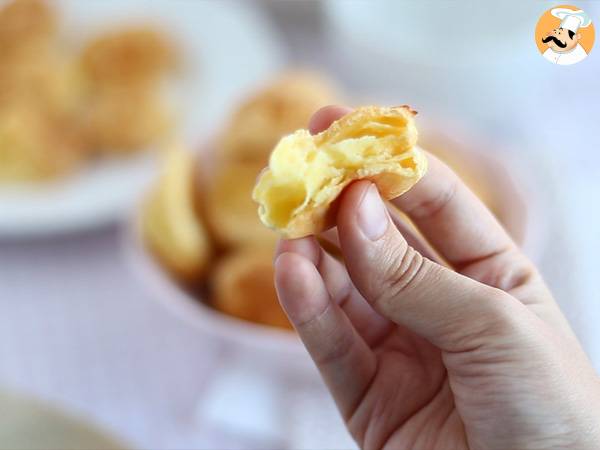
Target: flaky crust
{"points": [[391, 177], [389, 184], [360, 117]]}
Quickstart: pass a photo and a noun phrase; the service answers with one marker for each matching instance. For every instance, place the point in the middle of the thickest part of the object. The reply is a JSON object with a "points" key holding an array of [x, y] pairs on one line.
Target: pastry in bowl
{"points": [[242, 286], [307, 173], [170, 225], [230, 210], [284, 106]]}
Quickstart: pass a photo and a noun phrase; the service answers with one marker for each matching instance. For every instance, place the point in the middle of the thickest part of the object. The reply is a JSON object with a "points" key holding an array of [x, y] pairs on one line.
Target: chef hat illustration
{"points": [[572, 20]]}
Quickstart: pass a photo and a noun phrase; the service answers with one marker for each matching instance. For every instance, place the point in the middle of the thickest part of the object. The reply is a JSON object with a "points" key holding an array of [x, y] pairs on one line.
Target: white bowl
{"points": [[274, 347]]}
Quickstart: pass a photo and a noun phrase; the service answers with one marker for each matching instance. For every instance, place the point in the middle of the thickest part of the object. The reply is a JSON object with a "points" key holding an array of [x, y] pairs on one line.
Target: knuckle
{"points": [[499, 324], [505, 313], [505, 269], [404, 270]]}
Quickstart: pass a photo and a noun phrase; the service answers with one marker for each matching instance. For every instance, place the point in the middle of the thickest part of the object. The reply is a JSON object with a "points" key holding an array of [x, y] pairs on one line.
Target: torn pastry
{"points": [[307, 173]]}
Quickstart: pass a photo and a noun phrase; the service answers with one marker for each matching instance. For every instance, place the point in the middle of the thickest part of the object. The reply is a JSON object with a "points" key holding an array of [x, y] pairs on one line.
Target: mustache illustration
{"points": [[556, 41]]}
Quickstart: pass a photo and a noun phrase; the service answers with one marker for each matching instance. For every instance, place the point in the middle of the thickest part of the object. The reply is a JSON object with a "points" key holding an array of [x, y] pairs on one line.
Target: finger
{"points": [[371, 326], [453, 219], [320, 121], [469, 237], [449, 309], [325, 116], [330, 241], [343, 358]]}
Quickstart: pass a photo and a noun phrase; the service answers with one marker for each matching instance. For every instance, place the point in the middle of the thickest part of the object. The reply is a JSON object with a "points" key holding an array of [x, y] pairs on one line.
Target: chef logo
{"points": [[564, 35]]}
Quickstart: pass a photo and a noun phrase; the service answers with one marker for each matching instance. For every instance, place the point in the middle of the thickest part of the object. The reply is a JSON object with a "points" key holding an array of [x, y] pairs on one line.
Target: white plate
{"points": [[228, 48]]}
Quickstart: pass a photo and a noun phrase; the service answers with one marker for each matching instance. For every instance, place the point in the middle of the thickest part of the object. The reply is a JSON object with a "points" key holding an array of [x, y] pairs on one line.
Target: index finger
{"points": [[325, 116]]}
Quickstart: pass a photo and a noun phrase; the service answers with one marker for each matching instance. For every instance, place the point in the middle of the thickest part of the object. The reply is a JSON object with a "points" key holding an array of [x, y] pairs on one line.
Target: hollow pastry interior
{"points": [[306, 173]]}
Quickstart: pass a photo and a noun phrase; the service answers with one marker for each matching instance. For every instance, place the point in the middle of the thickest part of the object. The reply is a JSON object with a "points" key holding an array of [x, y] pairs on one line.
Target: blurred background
{"points": [[136, 302]]}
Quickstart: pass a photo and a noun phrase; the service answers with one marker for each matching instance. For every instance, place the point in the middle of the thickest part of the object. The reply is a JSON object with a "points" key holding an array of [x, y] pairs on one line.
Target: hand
{"points": [[472, 353]]}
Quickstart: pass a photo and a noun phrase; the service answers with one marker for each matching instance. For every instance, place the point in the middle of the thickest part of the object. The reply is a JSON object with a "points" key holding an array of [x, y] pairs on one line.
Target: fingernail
{"points": [[372, 215]]}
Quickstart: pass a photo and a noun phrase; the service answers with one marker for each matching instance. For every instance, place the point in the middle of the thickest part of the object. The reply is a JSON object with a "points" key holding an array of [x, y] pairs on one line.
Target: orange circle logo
{"points": [[565, 35]]}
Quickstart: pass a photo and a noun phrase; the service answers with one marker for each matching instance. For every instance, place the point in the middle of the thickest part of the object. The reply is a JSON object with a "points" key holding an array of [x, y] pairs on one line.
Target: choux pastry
{"points": [[242, 286], [125, 120], [279, 109], [230, 211], [135, 55], [307, 173], [170, 225]]}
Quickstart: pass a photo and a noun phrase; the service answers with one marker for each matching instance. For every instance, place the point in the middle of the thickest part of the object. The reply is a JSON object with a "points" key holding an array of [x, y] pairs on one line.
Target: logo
{"points": [[565, 35]]}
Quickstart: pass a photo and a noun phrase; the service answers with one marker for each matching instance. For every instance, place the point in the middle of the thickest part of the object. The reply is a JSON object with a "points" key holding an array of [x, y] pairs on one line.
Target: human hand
{"points": [[469, 353]]}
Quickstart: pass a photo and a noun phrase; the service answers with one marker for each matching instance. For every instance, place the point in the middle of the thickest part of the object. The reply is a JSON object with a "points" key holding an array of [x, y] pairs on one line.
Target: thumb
{"points": [[453, 312]]}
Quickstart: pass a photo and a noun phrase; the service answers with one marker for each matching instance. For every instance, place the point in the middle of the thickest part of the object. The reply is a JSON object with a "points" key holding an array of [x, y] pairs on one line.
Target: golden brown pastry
{"points": [[48, 80], [242, 286], [307, 173], [33, 68], [25, 25], [39, 95], [284, 106], [34, 148], [125, 120], [58, 109], [169, 221], [133, 55], [230, 209]]}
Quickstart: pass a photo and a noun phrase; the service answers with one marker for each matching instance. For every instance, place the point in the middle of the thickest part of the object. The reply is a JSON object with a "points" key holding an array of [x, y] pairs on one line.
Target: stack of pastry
{"points": [[238, 270], [58, 108], [38, 94]]}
